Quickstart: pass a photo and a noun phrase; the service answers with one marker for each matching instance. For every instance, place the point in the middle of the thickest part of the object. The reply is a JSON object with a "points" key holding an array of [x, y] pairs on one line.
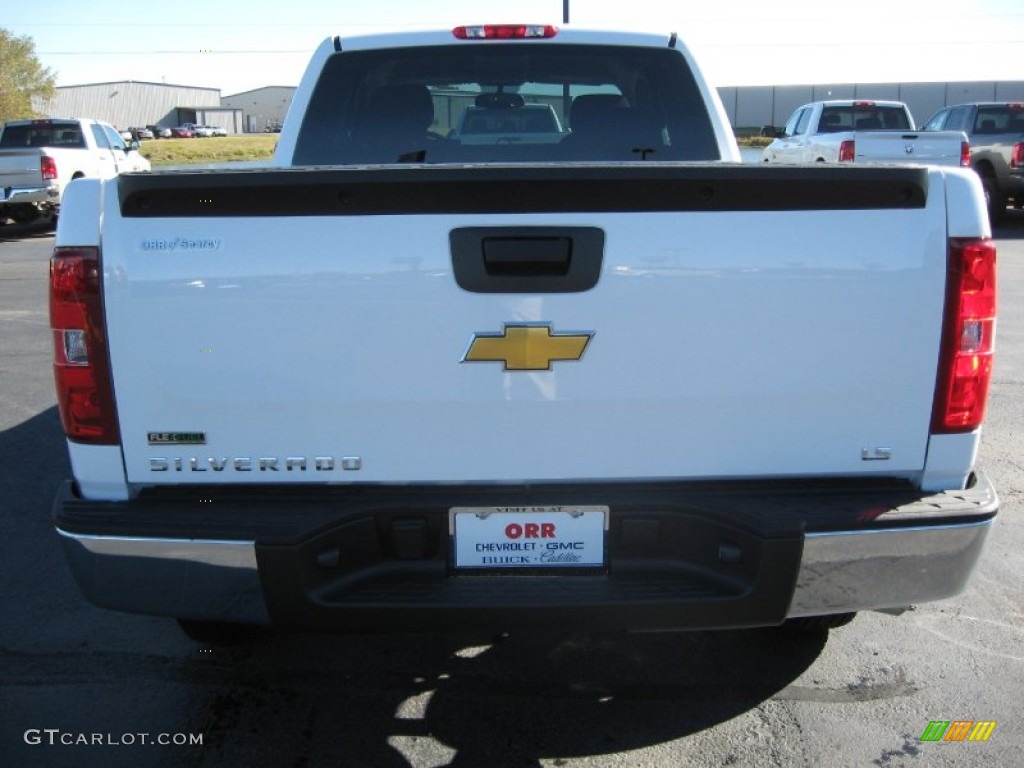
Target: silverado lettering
{"points": [[248, 464]]}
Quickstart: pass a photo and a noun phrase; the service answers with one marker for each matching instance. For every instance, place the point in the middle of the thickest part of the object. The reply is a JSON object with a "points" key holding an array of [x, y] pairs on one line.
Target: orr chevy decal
{"points": [[529, 537]]}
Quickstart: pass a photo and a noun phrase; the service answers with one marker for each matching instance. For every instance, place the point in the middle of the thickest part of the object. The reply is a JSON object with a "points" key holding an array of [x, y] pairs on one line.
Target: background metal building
{"points": [[748, 107], [132, 103], [263, 109]]}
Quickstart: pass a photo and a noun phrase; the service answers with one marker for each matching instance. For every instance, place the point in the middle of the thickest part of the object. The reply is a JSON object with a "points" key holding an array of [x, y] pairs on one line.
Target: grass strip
{"points": [[217, 149]]}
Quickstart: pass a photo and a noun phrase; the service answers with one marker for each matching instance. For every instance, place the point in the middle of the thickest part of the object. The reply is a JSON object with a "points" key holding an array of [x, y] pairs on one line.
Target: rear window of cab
{"points": [[527, 102]]}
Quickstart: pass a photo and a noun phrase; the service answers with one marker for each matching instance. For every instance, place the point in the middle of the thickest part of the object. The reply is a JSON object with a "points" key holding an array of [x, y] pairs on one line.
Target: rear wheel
{"points": [[994, 200], [23, 213]]}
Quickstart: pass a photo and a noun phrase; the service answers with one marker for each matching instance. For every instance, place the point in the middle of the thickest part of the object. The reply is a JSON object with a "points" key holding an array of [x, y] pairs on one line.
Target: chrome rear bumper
{"points": [[857, 571], [13, 196], [184, 578], [926, 552]]}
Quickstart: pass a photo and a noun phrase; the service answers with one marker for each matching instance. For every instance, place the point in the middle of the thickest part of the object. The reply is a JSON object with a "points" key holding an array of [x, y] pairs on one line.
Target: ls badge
{"points": [[527, 347]]}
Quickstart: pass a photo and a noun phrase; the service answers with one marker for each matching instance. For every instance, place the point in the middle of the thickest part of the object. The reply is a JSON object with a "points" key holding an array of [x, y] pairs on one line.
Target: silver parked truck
{"points": [[996, 133]]}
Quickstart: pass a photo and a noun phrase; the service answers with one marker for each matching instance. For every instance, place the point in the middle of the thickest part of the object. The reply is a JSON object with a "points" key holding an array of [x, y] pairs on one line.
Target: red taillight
{"points": [[965, 154], [846, 151], [49, 168], [81, 369], [968, 343], [1017, 157], [505, 31]]}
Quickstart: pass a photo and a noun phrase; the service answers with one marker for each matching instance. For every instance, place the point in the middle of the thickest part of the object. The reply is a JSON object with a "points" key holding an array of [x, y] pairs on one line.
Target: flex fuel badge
{"points": [[176, 438]]}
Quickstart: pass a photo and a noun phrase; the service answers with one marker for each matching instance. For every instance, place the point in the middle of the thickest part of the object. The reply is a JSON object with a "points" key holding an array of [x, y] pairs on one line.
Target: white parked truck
{"points": [[39, 158], [616, 379], [864, 132]]}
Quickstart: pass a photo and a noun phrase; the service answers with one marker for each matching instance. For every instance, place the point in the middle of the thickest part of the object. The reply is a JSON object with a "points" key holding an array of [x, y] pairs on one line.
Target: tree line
{"points": [[22, 77]]}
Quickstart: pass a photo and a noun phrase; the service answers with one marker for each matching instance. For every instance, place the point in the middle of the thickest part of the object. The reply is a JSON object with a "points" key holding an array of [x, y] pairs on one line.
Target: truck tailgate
{"points": [[19, 168], [297, 326], [938, 148]]}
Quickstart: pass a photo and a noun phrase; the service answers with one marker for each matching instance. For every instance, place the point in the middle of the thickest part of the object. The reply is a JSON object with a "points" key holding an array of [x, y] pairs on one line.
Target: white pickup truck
{"points": [[39, 158], [617, 379], [864, 132]]}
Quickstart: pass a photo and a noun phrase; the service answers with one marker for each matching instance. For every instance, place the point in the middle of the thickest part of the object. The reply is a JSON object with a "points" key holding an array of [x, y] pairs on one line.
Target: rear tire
{"points": [[23, 213], [994, 200]]}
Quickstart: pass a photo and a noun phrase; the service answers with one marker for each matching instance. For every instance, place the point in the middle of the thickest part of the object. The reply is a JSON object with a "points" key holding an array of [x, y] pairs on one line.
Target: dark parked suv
{"points": [[996, 133]]}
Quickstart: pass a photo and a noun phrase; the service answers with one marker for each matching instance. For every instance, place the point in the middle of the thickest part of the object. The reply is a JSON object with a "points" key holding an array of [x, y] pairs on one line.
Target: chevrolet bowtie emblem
{"points": [[526, 347]]}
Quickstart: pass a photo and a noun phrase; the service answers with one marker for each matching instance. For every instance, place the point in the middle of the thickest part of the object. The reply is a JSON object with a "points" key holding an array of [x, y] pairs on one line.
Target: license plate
{"points": [[529, 537]]}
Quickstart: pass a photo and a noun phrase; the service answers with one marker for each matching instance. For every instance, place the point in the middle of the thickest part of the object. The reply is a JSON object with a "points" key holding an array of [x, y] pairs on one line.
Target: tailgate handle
{"points": [[527, 256], [527, 259]]}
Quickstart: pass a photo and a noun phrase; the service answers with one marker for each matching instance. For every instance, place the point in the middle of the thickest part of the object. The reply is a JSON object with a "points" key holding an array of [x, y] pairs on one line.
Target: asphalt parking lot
{"points": [[80, 686]]}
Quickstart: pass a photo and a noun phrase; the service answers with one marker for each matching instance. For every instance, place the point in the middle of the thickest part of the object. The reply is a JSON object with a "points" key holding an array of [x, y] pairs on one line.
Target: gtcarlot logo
{"points": [[56, 737]]}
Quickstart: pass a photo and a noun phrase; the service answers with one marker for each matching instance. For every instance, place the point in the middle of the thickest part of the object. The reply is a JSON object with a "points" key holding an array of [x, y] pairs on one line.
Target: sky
{"points": [[240, 45]]}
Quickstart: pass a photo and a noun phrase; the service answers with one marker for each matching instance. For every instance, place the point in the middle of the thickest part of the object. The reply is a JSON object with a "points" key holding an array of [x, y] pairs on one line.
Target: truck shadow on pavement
{"points": [[1010, 226], [37, 447], [510, 700], [302, 700], [35, 230]]}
